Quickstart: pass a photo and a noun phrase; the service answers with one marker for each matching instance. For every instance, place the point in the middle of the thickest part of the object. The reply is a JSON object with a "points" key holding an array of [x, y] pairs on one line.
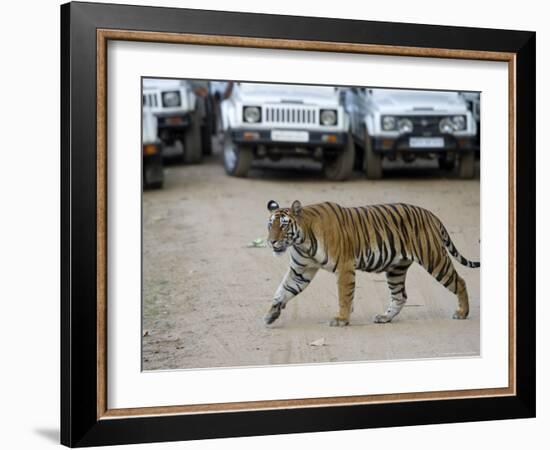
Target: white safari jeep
{"points": [[178, 118], [406, 124], [275, 121]]}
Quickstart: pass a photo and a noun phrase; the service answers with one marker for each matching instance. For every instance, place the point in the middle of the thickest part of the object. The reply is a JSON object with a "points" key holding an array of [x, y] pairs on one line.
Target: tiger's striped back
{"points": [[377, 236]]}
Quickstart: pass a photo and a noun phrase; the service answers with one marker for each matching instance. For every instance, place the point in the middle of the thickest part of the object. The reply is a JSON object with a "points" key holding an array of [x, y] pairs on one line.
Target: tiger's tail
{"points": [[453, 251]]}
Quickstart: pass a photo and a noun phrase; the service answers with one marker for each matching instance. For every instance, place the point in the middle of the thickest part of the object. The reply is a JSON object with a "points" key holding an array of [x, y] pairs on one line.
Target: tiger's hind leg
{"points": [[395, 277], [447, 275], [463, 302]]}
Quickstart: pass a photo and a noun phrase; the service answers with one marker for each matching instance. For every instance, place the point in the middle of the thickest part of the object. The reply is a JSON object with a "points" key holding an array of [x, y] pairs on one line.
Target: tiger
{"points": [[376, 238]]}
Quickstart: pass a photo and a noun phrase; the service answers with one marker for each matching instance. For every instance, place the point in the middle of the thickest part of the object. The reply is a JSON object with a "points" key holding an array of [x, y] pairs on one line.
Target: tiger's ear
{"points": [[272, 205], [296, 207]]}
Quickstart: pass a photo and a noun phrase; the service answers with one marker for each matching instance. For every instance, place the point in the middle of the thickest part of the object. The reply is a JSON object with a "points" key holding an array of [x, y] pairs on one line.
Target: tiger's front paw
{"points": [[381, 318], [273, 314], [339, 322]]}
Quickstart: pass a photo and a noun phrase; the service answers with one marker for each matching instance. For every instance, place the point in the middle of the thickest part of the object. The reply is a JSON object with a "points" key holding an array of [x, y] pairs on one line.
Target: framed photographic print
{"points": [[277, 224]]}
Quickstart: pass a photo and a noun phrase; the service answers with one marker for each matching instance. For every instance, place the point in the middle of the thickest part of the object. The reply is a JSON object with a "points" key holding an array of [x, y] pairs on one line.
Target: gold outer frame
{"points": [[105, 35]]}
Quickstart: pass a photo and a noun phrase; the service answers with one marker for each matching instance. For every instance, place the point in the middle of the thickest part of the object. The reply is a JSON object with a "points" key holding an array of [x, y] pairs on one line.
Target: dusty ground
{"points": [[205, 292]]}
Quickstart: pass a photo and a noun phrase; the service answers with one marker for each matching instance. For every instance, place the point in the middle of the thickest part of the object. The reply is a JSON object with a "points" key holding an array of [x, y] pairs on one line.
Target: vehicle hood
{"points": [[397, 101], [317, 95], [156, 83]]}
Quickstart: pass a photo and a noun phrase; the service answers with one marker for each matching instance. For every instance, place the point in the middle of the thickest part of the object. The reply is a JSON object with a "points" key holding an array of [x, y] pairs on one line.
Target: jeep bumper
{"points": [[424, 144], [289, 138], [173, 122]]}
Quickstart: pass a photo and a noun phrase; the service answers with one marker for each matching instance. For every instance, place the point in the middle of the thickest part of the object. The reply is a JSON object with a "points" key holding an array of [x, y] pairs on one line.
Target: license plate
{"points": [[175, 120], [422, 142], [290, 136]]}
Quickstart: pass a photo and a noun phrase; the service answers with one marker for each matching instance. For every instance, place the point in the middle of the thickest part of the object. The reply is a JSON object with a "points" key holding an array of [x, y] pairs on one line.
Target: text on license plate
{"points": [[423, 142], [290, 135]]}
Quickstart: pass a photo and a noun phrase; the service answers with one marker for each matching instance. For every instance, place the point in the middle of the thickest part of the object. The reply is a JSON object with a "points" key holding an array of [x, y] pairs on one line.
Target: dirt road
{"points": [[205, 292]]}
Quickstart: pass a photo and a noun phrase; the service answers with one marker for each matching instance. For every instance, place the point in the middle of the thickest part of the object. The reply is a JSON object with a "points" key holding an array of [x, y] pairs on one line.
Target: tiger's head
{"points": [[283, 227]]}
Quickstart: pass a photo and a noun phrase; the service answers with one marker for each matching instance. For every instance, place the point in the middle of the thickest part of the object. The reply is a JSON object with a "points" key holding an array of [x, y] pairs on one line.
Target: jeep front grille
{"points": [[300, 115], [150, 100], [425, 124]]}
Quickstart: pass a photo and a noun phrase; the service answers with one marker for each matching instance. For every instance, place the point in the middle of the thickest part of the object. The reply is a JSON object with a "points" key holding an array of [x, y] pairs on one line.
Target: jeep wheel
{"points": [[153, 177], [340, 166], [447, 161], [236, 159], [208, 126], [466, 167], [373, 161], [192, 145]]}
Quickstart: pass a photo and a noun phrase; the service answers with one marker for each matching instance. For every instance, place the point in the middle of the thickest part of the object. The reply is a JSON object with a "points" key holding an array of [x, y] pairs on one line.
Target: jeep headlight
{"points": [[389, 123], [252, 114], [171, 99], [452, 124], [446, 125], [328, 117], [405, 125], [459, 123]]}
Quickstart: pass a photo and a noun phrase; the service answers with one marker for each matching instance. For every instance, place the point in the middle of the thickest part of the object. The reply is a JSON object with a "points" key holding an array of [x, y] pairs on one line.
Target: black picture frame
{"points": [[80, 425]]}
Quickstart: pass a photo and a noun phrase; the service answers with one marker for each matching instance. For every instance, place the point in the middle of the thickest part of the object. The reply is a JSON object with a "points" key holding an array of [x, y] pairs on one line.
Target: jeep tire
{"points": [[208, 126], [153, 177], [340, 166], [192, 145], [373, 161], [466, 168], [236, 158]]}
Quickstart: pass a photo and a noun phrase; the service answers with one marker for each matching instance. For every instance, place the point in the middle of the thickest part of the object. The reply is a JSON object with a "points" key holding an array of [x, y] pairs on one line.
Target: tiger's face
{"points": [[282, 226]]}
